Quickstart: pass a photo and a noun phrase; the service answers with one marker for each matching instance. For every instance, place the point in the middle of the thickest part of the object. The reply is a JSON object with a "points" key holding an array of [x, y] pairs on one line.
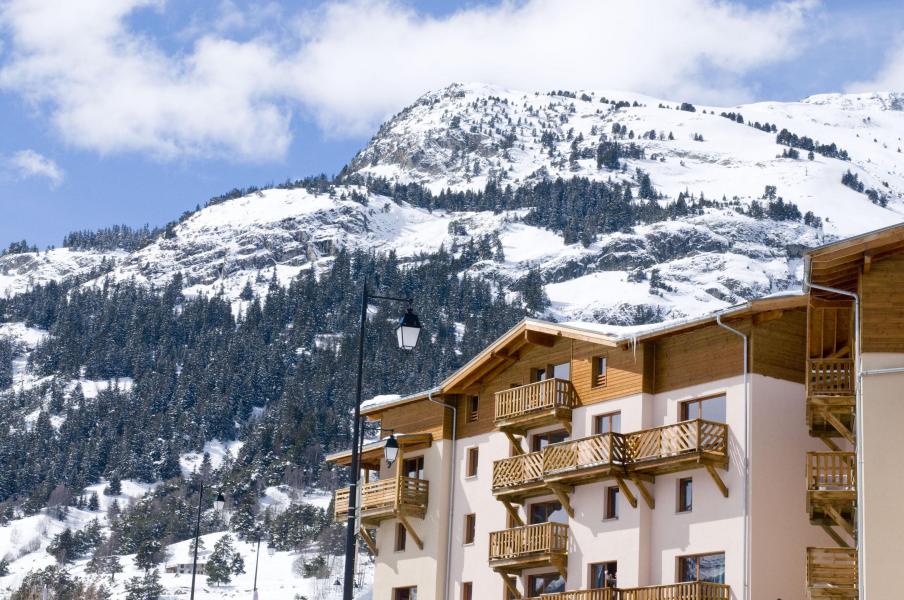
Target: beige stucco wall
{"points": [[883, 479], [780, 526], [416, 567], [646, 543]]}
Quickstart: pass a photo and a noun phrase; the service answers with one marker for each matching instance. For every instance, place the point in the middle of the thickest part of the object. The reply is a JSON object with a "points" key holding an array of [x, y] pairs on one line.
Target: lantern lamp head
{"points": [[408, 330]]}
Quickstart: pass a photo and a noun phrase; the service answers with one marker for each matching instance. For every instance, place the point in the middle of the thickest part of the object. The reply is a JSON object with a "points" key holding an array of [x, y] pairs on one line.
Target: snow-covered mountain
{"points": [[466, 136]]}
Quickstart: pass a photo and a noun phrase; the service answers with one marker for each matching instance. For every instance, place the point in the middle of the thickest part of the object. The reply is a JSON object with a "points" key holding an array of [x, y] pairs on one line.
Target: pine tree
{"points": [[224, 562], [145, 588], [94, 502]]}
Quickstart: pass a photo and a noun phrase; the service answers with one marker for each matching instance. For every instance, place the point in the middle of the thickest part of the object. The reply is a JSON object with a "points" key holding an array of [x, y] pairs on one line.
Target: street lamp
{"points": [[218, 506], [257, 558], [391, 450], [407, 331]]}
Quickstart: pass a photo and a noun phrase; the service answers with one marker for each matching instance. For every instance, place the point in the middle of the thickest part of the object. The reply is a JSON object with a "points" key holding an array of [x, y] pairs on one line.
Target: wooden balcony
{"points": [[584, 460], [541, 545], [831, 573], [519, 477], [832, 488], [385, 499], [677, 447], [535, 405], [597, 594], [694, 590], [830, 377]]}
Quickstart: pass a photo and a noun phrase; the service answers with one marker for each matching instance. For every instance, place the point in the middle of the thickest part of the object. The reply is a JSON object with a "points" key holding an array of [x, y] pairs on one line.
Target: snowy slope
{"points": [[463, 136]]}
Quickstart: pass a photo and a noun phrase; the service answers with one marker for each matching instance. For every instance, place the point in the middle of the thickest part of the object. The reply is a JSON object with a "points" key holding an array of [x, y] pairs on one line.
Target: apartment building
{"points": [[714, 458]]}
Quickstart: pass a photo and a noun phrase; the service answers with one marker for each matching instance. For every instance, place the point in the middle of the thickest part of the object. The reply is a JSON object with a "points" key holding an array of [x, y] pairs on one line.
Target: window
{"points": [[473, 406], [467, 591], [711, 409], [598, 375], [611, 509], [702, 567], [607, 423], [538, 374], [413, 467], [406, 593], [546, 583], [472, 455], [470, 532], [542, 440], [544, 512], [603, 575], [685, 494], [401, 537]]}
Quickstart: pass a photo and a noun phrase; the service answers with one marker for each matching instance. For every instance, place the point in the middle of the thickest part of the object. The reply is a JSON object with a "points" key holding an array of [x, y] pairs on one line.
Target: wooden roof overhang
{"points": [[839, 264], [754, 311], [372, 453], [506, 351]]}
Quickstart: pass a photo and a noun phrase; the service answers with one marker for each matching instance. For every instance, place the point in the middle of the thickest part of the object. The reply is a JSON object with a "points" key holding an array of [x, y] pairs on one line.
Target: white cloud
{"points": [[351, 63], [28, 163]]}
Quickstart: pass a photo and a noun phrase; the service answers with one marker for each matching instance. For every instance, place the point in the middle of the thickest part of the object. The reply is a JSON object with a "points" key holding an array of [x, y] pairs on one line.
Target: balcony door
{"points": [[413, 468], [711, 409], [604, 575], [538, 441], [560, 371], [546, 583], [547, 512], [702, 567]]}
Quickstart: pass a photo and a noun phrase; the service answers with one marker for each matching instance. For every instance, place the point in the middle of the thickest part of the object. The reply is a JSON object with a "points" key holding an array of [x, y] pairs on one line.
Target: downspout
{"points": [[858, 424], [452, 460], [746, 454]]}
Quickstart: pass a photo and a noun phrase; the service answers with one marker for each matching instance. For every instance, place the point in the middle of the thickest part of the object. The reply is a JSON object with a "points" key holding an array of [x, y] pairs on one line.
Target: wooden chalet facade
{"points": [[572, 462]]}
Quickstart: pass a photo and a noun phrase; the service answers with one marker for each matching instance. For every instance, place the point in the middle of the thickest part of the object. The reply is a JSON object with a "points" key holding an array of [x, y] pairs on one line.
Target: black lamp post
{"points": [[407, 331], [218, 505]]}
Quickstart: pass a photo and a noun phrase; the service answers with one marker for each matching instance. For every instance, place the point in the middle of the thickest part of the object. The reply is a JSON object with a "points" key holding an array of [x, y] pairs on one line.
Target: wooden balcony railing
{"points": [[831, 573], [694, 590], [830, 377], [597, 594], [385, 498], [831, 471], [661, 449], [546, 539], [585, 453], [534, 397], [697, 590], [669, 441], [517, 470]]}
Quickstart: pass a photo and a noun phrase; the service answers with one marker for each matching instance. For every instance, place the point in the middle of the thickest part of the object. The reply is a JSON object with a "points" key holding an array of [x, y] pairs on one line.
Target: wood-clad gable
{"points": [[882, 306], [778, 346], [696, 357], [422, 416]]}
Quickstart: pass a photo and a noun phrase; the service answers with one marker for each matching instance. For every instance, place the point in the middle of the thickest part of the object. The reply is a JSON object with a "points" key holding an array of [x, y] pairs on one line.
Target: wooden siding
{"points": [[778, 347], [421, 416], [624, 372], [883, 306], [696, 357]]}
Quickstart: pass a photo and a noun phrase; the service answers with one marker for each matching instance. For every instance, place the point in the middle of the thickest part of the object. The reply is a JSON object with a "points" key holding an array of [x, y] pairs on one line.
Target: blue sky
{"points": [[135, 110]]}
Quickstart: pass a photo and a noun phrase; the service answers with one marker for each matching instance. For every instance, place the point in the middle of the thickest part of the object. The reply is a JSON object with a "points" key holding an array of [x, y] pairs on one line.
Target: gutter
{"points": [[858, 423], [746, 453], [452, 461]]}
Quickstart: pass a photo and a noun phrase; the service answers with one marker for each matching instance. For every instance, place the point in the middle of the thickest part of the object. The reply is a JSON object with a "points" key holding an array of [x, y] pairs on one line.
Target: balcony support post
{"points": [[371, 544], [839, 520], [835, 537], [623, 486], [516, 442], [561, 566], [719, 483], [411, 531], [837, 424], [648, 498], [561, 493], [513, 513], [831, 444], [507, 582]]}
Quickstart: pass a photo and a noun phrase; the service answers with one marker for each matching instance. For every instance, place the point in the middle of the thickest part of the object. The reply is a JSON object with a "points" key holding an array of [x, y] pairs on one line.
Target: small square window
{"points": [[470, 532], [472, 456], [607, 423], [599, 371], [473, 408], [611, 509], [401, 537], [405, 593], [685, 494]]}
